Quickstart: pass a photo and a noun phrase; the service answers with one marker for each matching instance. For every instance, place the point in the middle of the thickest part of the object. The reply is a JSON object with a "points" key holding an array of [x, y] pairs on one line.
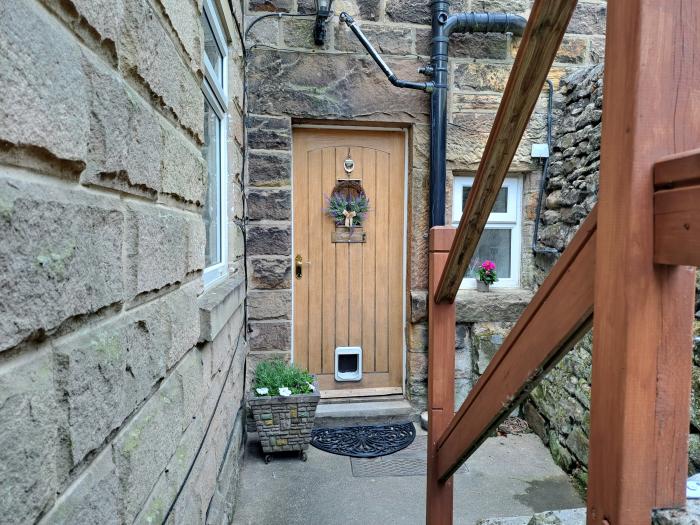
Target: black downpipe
{"points": [[443, 25], [536, 248]]}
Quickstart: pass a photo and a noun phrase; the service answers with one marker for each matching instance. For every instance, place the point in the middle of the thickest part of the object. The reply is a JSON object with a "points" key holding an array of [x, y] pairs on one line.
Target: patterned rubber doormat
{"points": [[369, 441]]}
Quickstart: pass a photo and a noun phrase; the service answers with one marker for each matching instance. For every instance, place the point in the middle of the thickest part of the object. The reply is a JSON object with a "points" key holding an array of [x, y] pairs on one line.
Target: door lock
{"points": [[298, 265]]}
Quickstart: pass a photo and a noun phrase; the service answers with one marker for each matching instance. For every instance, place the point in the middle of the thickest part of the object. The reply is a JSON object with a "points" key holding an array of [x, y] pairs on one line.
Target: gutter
{"points": [[443, 25]]}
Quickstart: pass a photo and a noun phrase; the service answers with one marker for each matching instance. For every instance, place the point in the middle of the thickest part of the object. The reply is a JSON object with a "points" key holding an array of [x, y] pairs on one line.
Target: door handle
{"points": [[298, 265]]}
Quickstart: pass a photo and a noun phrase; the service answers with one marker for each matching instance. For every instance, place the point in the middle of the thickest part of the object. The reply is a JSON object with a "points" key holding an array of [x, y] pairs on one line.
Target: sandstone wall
{"points": [[120, 380], [559, 408], [291, 80]]}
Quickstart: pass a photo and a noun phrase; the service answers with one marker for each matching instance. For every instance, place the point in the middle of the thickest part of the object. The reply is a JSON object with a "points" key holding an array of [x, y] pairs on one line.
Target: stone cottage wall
{"points": [[120, 381], [559, 407], [291, 80]]}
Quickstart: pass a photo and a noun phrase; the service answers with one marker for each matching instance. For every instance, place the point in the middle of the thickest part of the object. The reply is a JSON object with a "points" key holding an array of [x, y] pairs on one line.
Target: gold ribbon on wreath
{"points": [[349, 215]]}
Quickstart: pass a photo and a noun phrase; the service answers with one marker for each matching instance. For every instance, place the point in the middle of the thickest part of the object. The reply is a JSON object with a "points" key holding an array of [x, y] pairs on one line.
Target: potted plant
{"points": [[486, 276], [283, 402]]}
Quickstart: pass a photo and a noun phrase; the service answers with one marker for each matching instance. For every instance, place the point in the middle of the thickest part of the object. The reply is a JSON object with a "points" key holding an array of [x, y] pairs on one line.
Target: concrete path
{"points": [[508, 476]]}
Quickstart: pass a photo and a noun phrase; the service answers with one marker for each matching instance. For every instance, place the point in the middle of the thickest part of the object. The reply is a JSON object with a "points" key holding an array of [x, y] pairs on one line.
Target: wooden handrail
{"points": [[542, 336], [543, 35]]}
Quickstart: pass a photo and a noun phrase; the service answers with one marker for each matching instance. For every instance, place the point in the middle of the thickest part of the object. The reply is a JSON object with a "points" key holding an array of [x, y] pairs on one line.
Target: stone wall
{"points": [[558, 409], [120, 380], [291, 80]]}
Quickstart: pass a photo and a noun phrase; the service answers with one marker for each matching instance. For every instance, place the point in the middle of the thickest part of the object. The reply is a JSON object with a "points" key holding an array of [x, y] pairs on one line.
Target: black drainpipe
{"points": [[443, 25]]}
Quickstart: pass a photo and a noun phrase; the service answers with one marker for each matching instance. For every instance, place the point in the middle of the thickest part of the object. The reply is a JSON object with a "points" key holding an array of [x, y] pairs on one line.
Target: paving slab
{"points": [[508, 476]]}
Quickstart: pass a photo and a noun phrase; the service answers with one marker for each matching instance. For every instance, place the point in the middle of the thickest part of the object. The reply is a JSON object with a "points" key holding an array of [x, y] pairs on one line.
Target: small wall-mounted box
{"points": [[348, 363], [540, 151]]}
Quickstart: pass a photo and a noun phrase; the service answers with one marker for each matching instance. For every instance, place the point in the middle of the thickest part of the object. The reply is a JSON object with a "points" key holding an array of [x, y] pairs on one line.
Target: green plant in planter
{"points": [[277, 378]]}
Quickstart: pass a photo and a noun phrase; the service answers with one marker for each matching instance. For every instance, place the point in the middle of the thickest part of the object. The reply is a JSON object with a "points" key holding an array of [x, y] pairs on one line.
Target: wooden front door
{"points": [[349, 294]]}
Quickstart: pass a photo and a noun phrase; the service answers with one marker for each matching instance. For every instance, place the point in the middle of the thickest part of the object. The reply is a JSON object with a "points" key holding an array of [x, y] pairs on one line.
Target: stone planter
{"points": [[284, 424], [481, 286]]}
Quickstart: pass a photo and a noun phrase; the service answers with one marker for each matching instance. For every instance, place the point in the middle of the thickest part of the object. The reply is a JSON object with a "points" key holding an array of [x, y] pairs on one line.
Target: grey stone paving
{"points": [[508, 476]]}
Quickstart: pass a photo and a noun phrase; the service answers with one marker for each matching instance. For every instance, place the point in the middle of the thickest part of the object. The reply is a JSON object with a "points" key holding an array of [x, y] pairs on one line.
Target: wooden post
{"points": [[643, 312], [441, 376]]}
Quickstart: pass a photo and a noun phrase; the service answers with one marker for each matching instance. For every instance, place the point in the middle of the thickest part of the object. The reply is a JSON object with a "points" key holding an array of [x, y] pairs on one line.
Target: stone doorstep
{"points": [[334, 414]]}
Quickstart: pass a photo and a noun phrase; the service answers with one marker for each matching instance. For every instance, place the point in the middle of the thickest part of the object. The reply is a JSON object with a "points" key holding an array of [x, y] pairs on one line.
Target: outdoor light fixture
{"points": [[323, 12]]}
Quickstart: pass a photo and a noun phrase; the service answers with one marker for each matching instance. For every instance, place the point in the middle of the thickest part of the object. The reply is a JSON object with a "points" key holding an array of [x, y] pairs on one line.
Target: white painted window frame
{"points": [[511, 220], [216, 94]]}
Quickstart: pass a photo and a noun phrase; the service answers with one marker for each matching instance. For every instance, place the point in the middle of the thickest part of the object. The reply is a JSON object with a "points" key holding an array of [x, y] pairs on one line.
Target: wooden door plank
{"points": [[639, 408], [355, 274], [677, 226], [396, 241], [342, 272], [313, 266], [442, 320], [542, 335], [328, 253], [381, 212], [369, 264], [543, 35], [301, 238]]}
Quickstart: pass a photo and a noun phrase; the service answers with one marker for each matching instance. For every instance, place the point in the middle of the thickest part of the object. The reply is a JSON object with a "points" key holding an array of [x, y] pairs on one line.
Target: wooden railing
{"points": [[630, 263]]}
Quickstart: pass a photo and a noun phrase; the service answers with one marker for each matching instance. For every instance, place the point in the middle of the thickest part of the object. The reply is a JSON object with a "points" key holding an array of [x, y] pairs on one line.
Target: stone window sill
{"points": [[218, 304], [498, 305]]}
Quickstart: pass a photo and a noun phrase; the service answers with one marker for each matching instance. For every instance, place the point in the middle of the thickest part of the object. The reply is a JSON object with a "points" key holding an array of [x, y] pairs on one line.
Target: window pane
{"points": [[493, 246], [212, 204], [501, 205], [212, 51]]}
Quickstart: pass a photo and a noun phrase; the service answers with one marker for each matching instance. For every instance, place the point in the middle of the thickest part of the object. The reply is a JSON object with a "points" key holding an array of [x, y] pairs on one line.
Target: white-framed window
{"points": [[215, 91], [501, 239]]}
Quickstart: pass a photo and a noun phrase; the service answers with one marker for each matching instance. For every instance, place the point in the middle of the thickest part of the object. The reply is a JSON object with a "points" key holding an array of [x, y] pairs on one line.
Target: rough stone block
{"points": [[107, 372], [172, 477], [268, 305], [42, 88], [476, 76], [191, 372], [265, 132], [125, 135], [224, 499], [269, 336], [273, 77], [588, 19], [265, 239], [227, 342], [157, 248], [163, 73], [30, 467], [572, 51], [92, 498], [144, 447], [386, 40], [299, 33], [196, 240], [467, 45], [486, 339], [60, 256], [271, 6], [268, 168], [519, 7], [185, 19], [180, 308], [266, 32], [412, 11], [102, 18], [268, 273], [269, 204], [183, 171]]}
